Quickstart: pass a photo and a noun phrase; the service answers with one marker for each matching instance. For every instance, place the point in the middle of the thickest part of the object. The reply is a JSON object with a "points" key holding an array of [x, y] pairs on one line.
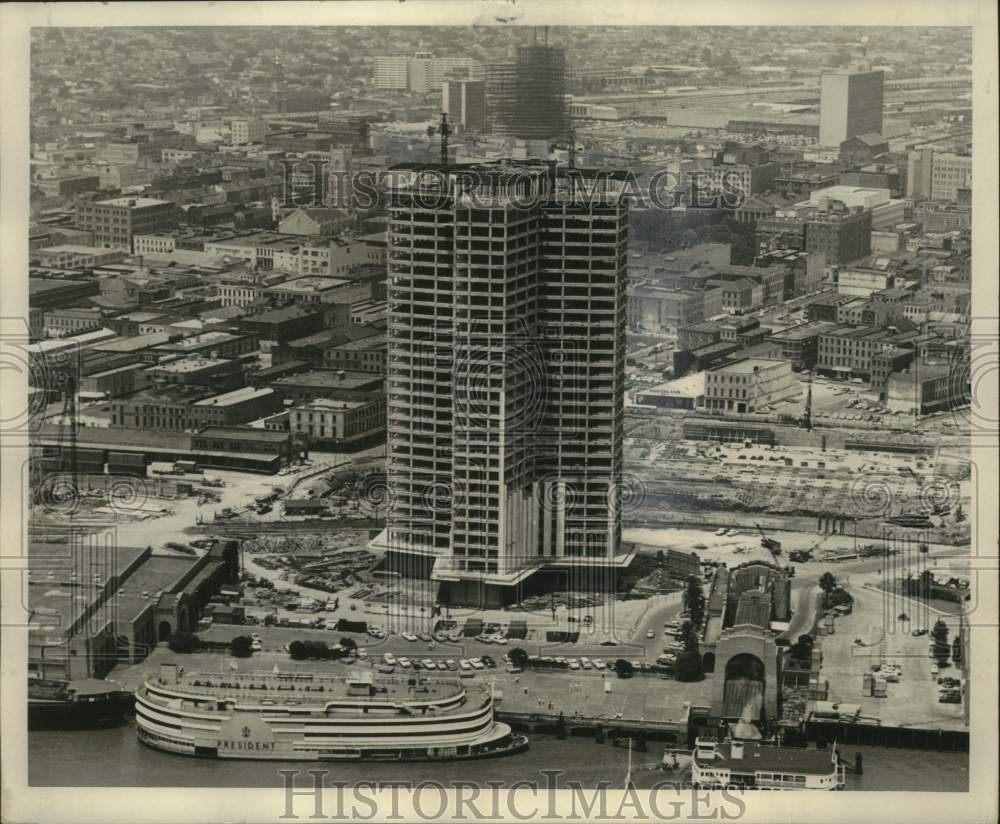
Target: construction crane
{"points": [[68, 475], [806, 420], [771, 545], [569, 146], [443, 129]]}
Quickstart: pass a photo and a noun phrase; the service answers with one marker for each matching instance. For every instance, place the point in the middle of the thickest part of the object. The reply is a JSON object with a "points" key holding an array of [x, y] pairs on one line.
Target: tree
{"points": [[956, 650], [694, 600], [624, 669], [241, 647], [297, 650], [688, 666], [183, 642], [827, 583], [659, 557], [689, 637], [926, 584], [350, 645], [940, 648], [518, 657]]}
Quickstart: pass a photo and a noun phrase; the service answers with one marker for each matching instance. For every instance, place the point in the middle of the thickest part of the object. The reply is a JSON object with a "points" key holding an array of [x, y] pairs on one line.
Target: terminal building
{"points": [[94, 604], [748, 607]]}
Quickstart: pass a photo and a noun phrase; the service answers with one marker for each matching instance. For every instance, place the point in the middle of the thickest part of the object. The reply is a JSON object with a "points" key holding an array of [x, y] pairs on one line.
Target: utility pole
{"points": [[807, 415]]}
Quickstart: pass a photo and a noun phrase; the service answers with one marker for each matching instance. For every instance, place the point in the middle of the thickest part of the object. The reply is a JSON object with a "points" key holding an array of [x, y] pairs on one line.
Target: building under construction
{"points": [[527, 99]]}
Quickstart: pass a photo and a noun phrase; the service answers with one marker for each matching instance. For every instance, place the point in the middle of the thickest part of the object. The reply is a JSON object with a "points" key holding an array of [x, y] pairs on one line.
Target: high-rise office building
{"points": [[527, 99], [850, 104], [464, 101], [423, 72], [507, 317], [247, 130]]}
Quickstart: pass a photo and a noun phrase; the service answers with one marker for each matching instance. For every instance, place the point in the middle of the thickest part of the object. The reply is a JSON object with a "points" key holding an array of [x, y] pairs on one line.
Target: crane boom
{"points": [[771, 545]]}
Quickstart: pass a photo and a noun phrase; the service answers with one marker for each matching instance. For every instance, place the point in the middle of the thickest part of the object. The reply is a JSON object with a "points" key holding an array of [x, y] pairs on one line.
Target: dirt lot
{"points": [[913, 701]]}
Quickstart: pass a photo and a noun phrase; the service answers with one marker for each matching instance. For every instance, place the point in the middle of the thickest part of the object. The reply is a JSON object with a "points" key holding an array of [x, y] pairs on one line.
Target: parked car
{"points": [[403, 662], [574, 664], [585, 663], [464, 664], [489, 662], [390, 659], [409, 636], [650, 634]]}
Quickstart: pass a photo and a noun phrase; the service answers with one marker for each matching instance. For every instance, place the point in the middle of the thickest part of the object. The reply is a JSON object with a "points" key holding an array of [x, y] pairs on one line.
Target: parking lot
{"points": [[842, 402], [912, 700]]}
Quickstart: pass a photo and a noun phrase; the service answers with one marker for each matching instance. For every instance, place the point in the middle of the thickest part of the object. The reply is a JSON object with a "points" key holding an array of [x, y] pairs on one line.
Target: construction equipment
{"points": [[806, 420], [443, 129], [569, 146], [800, 555], [771, 545]]}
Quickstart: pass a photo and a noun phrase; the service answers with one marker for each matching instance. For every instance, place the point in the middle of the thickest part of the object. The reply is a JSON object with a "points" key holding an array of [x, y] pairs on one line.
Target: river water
{"points": [[115, 758]]}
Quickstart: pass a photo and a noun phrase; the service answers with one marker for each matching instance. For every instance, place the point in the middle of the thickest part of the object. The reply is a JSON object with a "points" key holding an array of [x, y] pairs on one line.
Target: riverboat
{"points": [[314, 716]]}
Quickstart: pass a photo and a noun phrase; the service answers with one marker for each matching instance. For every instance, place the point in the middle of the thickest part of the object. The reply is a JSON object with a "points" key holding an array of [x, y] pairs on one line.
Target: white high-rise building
{"points": [[464, 101], [850, 104], [245, 130], [423, 72], [392, 72]]}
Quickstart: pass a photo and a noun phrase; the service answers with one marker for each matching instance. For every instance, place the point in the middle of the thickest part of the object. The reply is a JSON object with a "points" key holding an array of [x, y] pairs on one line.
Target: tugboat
{"points": [[84, 704]]}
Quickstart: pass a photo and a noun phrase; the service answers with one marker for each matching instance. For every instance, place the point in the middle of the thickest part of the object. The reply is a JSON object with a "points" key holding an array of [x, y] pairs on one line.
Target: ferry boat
{"points": [[756, 766], [315, 716]]}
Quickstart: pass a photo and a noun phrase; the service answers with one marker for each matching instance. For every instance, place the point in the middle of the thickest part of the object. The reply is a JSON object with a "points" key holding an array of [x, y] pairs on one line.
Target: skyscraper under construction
{"points": [[507, 317], [526, 99]]}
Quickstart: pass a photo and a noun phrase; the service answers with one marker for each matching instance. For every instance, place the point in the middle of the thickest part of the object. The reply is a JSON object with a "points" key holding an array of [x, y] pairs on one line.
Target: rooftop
{"points": [[168, 394], [134, 343], [233, 433], [310, 283], [805, 331], [236, 396], [203, 339], [331, 378], [114, 438], [747, 365], [134, 202], [326, 404], [187, 365], [275, 686], [75, 248], [281, 315], [792, 760]]}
